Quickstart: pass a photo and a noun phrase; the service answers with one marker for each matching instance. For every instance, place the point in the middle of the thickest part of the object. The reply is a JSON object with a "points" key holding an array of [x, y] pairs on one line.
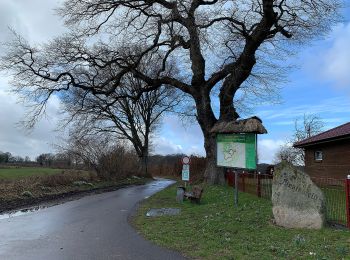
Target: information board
{"points": [[236, 150]]}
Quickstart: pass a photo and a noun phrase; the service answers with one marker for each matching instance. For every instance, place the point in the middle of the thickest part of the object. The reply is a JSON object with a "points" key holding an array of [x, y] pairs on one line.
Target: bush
{"points": [[119, 163]]}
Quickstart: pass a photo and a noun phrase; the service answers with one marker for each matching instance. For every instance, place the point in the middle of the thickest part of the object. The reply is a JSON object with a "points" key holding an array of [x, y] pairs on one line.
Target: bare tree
{"points": [[311, 125], [109, 159], [129, 119], [288, 153], [133, 119], [229, 46]]}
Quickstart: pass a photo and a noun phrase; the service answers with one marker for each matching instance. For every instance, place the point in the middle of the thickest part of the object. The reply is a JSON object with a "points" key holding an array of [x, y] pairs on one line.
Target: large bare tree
{"points": [[221, 46]]}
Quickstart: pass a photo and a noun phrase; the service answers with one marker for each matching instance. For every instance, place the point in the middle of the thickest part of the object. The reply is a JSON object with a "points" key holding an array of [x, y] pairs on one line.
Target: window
{"points": [[318, 156]]}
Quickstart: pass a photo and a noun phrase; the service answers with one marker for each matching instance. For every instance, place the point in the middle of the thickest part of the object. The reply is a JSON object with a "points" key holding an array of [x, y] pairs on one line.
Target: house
{"points": [[328, 154]]}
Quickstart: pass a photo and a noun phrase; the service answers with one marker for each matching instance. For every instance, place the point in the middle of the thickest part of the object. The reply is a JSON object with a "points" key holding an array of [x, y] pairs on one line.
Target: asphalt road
{"points": [[93, 227]]}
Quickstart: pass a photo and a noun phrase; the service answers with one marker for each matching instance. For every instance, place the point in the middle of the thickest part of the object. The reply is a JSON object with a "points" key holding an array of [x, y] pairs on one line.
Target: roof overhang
{"points": [[249, 125], [330, 140]]}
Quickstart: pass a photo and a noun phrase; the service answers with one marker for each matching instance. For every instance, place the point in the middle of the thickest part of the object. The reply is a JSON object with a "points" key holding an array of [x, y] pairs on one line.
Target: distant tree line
{"points": [[7, 157], [58, 160]]}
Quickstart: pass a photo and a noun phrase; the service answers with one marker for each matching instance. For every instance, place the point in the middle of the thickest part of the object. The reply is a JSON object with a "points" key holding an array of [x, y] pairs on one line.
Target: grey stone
{"points": [[163, 212], [297, 201], [27, 194], [180, 192], [79, 183], [82, 183]]}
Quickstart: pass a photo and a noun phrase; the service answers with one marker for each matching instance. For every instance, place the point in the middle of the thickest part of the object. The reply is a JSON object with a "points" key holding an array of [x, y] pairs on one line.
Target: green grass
{"points": [[15, 173], [216, 230]]}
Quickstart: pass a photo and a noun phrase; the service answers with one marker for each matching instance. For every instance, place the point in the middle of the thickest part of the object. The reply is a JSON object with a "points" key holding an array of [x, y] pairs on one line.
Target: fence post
{"points": [[258, 188], [347, 189], [243, 182], [233, 178]]}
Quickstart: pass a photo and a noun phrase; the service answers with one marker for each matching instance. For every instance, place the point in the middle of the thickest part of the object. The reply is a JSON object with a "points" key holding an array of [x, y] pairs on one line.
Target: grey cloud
{"points": [[18, 141], [175, 137], [165, 146], [34, 19], [267, 149]]}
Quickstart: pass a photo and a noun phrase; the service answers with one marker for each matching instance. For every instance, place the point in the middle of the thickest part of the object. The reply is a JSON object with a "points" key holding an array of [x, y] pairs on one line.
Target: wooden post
{"points": [[236, 189], [347, 190], [258, 187]]}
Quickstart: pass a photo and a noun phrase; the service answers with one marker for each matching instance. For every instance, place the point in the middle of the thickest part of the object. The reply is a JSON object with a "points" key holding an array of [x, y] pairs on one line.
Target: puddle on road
{"points": [[157, 185], [21, 212]]}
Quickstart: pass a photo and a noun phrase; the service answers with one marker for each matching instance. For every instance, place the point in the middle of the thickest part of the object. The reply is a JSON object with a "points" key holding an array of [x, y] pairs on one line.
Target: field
{"points": [[22, 187], [216, 230], [16, 172]]}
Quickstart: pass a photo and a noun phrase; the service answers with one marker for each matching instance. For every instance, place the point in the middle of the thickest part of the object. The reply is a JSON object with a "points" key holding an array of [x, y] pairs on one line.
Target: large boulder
{"points": [[297, 201]]}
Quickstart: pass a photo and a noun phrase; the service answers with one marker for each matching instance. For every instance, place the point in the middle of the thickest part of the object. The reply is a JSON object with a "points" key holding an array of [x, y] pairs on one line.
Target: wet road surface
{"points": [[93, 227]]}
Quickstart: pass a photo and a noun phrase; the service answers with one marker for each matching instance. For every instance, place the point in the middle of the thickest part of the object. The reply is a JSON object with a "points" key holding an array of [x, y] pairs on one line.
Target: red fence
{"points": [[347, 188], [257, 184], [337, 193]]}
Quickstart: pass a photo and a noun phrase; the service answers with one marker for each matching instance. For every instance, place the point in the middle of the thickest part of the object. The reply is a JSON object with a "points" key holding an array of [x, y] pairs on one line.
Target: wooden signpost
{"points": [[237, 145]]}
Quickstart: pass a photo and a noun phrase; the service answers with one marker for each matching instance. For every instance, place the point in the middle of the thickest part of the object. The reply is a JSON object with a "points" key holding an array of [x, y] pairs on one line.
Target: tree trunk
{"points": [[206, 120], [144, 167], [144, 163], [212, 174]]}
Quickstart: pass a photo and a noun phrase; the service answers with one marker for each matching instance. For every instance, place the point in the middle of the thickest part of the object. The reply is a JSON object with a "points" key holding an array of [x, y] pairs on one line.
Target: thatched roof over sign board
{"points": [[249, 125]]}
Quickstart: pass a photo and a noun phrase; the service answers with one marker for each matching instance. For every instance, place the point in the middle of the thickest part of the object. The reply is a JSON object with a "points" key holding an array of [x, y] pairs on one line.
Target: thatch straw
{"points": [[250, 125]]}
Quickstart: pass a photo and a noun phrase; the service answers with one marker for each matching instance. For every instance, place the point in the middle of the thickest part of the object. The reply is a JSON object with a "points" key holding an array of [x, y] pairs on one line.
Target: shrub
{"points": [[119, 163]]}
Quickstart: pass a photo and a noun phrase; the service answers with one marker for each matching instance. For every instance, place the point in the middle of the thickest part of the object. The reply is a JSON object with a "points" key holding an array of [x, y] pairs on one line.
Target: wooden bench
{"points": [[195, 195]]}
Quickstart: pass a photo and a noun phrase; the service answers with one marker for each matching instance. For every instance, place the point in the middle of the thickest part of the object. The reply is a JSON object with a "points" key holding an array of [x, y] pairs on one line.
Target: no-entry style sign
{"points": [[185, 160]]}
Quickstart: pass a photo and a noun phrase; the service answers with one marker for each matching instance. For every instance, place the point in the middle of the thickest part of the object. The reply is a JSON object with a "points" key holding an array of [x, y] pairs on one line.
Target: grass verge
{"points": [[216, 230]]}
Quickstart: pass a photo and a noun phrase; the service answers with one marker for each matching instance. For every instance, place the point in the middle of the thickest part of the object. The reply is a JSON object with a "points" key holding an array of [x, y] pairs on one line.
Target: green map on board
{"points": [[236, 150]]}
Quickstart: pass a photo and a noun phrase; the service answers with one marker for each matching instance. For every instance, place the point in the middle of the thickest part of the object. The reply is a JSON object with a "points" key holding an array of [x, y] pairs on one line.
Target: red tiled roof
{"points": [[339, 131]]}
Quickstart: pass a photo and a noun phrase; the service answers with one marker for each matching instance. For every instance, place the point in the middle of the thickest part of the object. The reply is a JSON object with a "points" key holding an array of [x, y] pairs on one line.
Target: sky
{"points": [[320, 85]]}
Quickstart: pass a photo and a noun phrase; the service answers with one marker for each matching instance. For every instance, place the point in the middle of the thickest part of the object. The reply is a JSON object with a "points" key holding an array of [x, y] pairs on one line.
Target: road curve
{"points": [[93, 227]]}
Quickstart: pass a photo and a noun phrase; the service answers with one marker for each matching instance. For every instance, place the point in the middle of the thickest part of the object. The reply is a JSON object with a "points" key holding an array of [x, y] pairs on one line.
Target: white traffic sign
{"points": [[186, 160], [186, 172]]}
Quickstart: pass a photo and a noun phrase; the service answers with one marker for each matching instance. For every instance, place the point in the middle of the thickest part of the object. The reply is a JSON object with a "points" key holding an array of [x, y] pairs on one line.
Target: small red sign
{"points": [[186, 160]]}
